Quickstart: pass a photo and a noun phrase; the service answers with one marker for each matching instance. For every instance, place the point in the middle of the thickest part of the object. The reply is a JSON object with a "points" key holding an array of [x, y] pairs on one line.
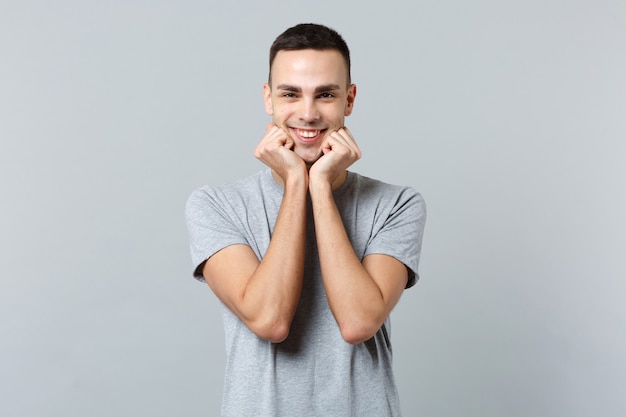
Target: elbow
{"points": [[274, 331], [277, 334], [359, 326], [356, 333]]}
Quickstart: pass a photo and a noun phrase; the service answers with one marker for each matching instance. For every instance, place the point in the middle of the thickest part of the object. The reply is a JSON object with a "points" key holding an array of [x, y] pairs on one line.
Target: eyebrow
{"points": [[319, 89]]}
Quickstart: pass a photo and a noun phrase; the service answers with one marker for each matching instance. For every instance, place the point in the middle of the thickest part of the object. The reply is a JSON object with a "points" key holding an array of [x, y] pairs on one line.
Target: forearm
{"points": [[272, 292], [355, 299]]}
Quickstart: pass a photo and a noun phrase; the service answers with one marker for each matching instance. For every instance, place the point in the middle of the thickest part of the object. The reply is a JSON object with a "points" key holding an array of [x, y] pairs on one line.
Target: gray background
{"points": [[509, 117]]}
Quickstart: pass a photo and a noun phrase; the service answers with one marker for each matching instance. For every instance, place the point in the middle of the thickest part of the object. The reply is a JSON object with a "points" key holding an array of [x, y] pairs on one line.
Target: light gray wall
{"points": [[509, 117]]}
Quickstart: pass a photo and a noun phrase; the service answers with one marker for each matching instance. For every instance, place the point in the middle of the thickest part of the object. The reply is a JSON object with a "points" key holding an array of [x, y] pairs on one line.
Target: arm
{"points": [[264, 294], [360, 294]]}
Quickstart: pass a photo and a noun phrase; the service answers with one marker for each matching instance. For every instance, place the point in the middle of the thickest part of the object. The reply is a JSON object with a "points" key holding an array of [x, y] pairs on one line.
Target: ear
{"points": [[267, 98], [350, 99]]}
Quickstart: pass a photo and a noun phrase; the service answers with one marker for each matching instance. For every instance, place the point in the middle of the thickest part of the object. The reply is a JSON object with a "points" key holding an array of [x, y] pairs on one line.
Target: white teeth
{"points": [[308, 133]]}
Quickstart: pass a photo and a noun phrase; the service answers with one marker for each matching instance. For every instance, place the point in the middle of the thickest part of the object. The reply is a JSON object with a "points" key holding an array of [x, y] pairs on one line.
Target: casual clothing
{"points": [[313, 372]]}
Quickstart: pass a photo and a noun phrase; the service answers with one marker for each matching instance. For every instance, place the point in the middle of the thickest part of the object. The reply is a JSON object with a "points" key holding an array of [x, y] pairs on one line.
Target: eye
{"points": [[327, 95], [289, 95]]}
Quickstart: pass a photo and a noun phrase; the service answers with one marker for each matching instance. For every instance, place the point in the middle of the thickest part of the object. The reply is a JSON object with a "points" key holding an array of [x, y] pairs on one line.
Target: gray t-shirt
{"points": [[313, 372]]}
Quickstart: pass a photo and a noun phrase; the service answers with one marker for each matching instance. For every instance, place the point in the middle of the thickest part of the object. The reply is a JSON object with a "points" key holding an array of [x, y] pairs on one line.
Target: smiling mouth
{"points": [[308, 135]]}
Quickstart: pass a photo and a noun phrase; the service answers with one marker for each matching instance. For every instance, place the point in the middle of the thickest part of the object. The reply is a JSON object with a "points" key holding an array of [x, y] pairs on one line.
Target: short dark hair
{"points": [[309, 36]]}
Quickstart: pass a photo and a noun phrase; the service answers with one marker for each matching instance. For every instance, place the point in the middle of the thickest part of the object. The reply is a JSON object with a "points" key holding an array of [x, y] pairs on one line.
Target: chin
{"points": [[310, 157]]}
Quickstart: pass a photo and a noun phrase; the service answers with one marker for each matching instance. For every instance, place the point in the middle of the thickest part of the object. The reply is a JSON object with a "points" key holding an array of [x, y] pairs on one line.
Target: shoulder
{"points": [[231, 193], [371, 189]]}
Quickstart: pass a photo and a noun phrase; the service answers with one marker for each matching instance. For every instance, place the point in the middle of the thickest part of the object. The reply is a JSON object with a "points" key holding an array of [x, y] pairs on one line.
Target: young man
{"points": [[307, 258]]}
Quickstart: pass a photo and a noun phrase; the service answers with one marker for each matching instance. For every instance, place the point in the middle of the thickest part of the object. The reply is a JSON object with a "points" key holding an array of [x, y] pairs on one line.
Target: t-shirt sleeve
{"points": [[401, 231], [210, 227]]}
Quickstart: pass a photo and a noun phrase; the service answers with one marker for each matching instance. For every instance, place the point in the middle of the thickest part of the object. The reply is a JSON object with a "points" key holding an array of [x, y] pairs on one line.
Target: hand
{"points": [[340, 151], [276, 151]]}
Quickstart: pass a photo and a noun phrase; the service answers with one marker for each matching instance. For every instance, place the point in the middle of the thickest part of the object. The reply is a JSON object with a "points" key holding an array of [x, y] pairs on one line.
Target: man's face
{"points": [[309, 97]]}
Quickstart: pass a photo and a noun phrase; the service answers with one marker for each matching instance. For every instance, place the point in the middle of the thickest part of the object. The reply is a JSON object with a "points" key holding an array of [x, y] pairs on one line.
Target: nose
{"points": [[309, 112]]}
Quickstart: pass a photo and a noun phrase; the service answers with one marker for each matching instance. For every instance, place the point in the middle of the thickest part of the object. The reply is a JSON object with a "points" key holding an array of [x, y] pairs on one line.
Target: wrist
{"points": [[319, 187], [326, 184], [297, 182], [292, 181]]}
